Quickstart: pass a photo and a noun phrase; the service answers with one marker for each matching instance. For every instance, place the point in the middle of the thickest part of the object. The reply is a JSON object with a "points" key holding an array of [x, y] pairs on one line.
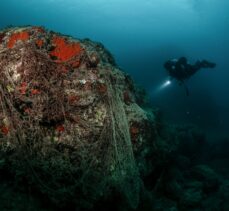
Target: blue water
{"points": [[142, 35]]}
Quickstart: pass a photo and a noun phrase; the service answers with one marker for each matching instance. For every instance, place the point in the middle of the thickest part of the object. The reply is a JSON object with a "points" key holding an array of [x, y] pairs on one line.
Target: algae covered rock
{"points": [[207, 176], [68, 110]]}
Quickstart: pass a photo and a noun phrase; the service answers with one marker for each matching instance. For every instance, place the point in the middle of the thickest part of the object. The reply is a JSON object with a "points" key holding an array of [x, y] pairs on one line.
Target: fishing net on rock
{"points": [[69, 114]]}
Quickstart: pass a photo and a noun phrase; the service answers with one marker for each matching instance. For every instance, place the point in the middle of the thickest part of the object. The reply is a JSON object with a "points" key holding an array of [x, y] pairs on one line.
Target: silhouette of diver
{"points": [[181, 70]]}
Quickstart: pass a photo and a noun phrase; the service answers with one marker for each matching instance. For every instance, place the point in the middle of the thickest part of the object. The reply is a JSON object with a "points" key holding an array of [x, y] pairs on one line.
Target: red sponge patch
{"points": [[17, 36], [63, 50]]}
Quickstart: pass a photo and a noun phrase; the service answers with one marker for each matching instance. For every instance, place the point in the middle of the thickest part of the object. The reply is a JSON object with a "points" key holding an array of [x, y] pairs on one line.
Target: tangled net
{"points": [[63, 114]]}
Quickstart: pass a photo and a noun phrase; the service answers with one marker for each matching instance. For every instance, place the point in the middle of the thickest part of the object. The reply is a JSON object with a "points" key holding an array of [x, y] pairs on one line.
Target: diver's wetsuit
{"points": [[181, 70]]}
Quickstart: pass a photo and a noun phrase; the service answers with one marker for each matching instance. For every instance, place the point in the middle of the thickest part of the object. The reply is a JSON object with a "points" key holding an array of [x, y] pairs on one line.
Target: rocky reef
{"points": [[76, 133], [70, 117]]}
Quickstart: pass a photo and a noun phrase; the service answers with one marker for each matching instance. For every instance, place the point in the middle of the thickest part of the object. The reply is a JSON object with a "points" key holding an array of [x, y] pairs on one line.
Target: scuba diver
{"points": [[181, 70]]}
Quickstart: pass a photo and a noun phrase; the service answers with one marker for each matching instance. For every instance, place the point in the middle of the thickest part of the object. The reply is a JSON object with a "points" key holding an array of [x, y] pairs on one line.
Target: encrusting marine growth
{"points": [[65, 100]]}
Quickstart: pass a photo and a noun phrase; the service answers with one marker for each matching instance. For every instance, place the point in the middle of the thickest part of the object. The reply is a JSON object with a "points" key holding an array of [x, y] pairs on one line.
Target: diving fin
{"points": [[207, 64]]}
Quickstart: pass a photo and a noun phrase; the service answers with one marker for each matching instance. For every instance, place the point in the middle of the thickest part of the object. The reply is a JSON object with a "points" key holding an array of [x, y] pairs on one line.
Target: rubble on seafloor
{"points": [[76, 133]]}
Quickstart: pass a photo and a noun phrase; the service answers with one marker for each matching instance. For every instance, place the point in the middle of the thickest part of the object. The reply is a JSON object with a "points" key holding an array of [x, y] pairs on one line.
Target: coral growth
{"points": [[4, 130], [39, 43], [23, 36], [64, 50]]}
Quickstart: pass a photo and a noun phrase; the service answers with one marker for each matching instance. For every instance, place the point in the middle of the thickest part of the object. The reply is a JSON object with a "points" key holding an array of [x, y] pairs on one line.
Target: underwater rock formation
{"points": [[77, 134], [66, 106]]}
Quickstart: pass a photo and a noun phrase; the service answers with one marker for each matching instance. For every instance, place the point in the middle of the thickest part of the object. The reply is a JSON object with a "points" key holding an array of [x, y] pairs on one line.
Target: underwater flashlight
{"points": [[165, 84], [161, 87], [168, 82]]}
